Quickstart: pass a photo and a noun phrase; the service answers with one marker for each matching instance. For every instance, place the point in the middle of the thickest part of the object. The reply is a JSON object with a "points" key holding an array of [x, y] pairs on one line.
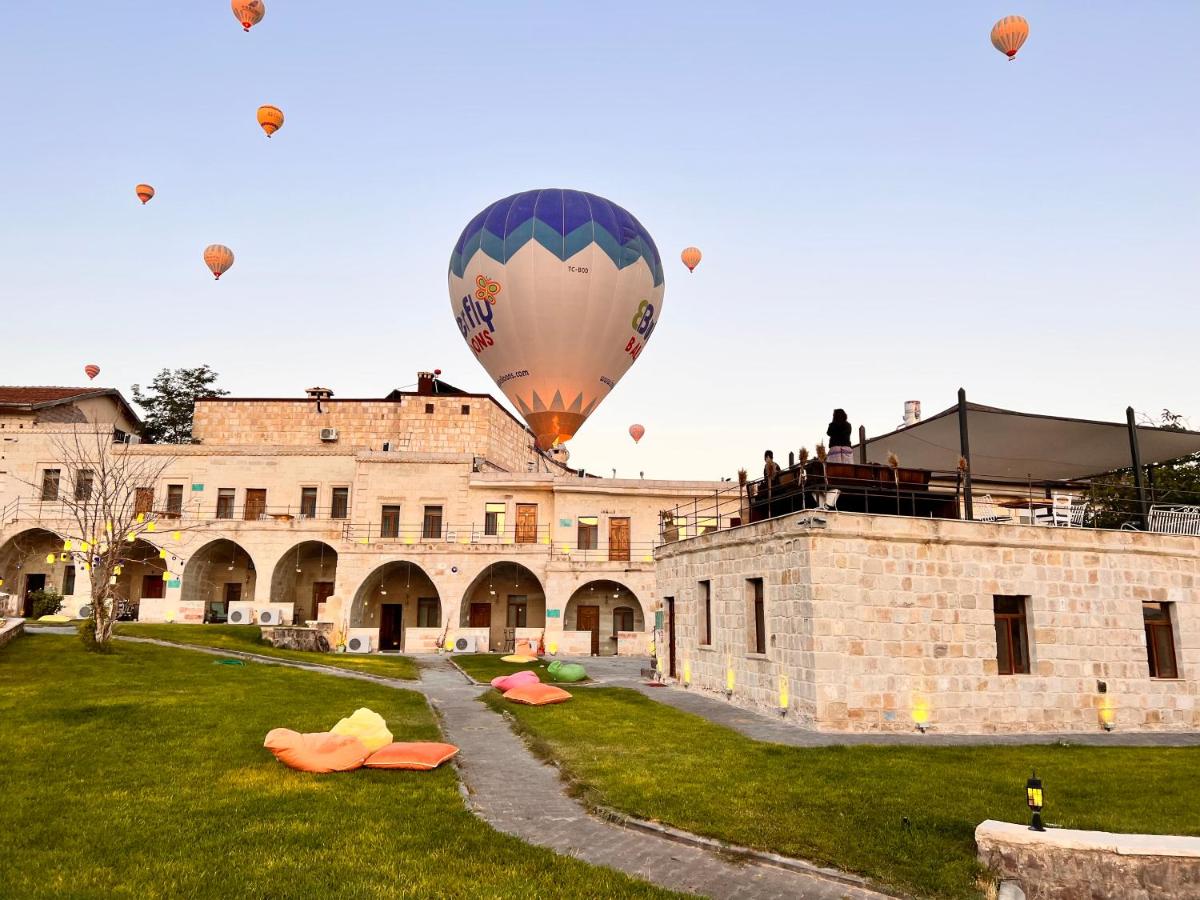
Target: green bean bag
{"points": [[568, 672]]}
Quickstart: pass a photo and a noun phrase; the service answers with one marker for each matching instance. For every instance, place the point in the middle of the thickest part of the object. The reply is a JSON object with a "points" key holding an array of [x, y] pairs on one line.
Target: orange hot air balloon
{"points": [[1009, 34], [636, 432], [144, 192], [218, 258], [691, 258], [270, 118], [91, 370], [248, 12]]}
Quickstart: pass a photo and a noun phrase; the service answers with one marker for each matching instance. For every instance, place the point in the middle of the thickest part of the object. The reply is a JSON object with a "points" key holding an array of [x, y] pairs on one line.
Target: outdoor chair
{"points": [[1175, 519], [1079, 514], [1059, 513], [989, 511]]}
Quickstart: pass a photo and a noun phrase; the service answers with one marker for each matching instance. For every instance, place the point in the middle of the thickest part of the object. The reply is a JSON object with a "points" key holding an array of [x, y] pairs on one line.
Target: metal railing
{"points": [[535, 539]]}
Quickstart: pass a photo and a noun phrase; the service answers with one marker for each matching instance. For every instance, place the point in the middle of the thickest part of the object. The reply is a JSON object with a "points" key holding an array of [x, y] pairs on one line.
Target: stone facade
{"points": [[877, 622]]}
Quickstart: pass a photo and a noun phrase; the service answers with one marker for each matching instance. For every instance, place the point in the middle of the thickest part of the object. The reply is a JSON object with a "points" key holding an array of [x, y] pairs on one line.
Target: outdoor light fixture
{"points": [[920, 716], [1033, 795]]}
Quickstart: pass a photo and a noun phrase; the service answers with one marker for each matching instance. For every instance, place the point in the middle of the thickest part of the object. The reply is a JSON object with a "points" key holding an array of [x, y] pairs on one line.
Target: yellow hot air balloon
{"points": [[1009, 34], [691, 258], [270, 118], [144, 192], [218, 258], [248, 12]]}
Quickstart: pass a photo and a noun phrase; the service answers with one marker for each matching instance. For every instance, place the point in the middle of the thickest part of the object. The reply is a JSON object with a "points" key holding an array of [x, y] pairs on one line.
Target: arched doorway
{"points": [[26, 568], [305, 576], [605, 608], [219, 573], [141, 577], [508, 603], [395, 598]]}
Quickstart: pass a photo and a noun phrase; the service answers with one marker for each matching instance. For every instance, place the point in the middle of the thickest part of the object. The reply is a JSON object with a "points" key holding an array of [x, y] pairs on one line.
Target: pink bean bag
{"points": [[316, 752], [504, 683], [419, 755]]}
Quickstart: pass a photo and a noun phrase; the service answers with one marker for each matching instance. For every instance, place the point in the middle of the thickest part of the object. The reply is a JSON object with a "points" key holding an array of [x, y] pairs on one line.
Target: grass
{"points": [[483, 667], [845, 806], [142, 774], [248, 639]]}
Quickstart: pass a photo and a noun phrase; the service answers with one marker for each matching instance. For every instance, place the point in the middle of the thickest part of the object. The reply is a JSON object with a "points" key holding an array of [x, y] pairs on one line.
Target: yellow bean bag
{"points": [[56, 617], [419, 755], [316, 752], [367, 726], [518, 659], [537, 694]]}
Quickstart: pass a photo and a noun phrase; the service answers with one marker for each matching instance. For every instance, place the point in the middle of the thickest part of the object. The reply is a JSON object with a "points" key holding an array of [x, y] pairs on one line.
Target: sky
{"points": [[888, 209]]}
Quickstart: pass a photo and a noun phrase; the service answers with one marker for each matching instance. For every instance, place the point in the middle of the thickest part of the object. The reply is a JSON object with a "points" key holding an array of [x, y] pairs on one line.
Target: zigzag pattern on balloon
{"points": [[564, 222]]}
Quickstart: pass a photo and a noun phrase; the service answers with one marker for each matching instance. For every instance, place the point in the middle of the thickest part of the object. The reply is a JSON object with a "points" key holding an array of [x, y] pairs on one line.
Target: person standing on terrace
{"points": [[840, 450]]}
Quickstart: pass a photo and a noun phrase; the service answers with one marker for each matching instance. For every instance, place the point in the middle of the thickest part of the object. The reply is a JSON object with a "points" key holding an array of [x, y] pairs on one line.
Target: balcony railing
{"points": [[536, 539]]}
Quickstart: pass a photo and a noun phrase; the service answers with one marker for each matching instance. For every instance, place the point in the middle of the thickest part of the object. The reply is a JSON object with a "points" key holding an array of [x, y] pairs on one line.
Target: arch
{"points": [[396, 597], [219, 573], [24, 570], [509, 601], [607, 597], [304, 576], [141, 576]]}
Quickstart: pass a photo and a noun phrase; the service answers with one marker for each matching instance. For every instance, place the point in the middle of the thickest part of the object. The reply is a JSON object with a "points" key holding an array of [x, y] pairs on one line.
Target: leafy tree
{"points": [[169, 401], [1114, 497]]}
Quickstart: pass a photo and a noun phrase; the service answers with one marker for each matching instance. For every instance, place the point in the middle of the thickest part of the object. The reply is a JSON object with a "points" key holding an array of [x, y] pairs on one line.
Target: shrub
{"points": [[45, 603], [87, 634]]}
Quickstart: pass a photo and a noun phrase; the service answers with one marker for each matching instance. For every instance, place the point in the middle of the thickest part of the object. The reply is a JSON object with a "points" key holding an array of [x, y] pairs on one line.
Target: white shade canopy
{"points": [[1006, 444]]}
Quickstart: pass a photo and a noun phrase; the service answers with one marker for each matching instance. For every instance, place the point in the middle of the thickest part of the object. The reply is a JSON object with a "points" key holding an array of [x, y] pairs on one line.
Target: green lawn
{"points": [[483, 667], [142, 774], [248, 639], [844, 806]]}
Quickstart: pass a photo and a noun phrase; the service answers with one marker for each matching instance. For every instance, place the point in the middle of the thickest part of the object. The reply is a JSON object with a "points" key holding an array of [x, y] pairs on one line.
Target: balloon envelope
{"points": [[636, 432], [270, 118], [691, 258], [144, 192], [218, 258], [1009, 34], [248, 12], [91, 370], [556, 292]]}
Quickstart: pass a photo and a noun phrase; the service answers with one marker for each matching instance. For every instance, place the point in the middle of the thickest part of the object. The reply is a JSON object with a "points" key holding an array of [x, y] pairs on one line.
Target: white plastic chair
{"points": [[1059, 513], [989, 511]]}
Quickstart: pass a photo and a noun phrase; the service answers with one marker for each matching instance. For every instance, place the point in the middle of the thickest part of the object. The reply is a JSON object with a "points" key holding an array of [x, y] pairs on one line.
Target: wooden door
{"points": [[256, 504], [618, 540], [391, 626], [322, 591], [481, 615], [671, 635], [587, 618], [153, 587], [143, 500], [526, 523]]}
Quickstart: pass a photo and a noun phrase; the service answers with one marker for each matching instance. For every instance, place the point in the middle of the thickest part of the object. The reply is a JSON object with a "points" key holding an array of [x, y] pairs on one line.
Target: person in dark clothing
{"points": [[840, 450], [770, 468]]}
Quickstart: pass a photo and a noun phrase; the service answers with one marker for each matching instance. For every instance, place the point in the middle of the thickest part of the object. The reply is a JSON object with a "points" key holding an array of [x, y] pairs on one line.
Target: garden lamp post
{"points": [[1033, 795]]}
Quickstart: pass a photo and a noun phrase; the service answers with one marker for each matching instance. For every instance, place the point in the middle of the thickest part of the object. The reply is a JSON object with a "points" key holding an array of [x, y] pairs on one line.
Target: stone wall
{"points": [[1062, 864], [873, 619]]}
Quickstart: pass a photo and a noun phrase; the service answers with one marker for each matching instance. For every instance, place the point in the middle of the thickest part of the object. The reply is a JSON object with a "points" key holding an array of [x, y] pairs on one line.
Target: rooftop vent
{"points": [[319, 393], [912, 412]]}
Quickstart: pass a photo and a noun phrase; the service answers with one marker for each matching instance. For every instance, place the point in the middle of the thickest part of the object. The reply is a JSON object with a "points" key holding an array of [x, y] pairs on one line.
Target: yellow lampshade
{"points": [[177, 535], [50, 558]]}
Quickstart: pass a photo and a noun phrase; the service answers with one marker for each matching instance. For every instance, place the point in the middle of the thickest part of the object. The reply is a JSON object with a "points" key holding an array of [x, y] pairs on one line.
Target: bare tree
{"points": [[107, 506]]}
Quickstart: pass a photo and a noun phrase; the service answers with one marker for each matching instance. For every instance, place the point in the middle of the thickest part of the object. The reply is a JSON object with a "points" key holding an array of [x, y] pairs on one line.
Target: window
{"points": [[518, 611], [427, 612], [84, 480], [756, 617], [433, 522], [428, 409], [466, 409], [1160, 640], [1012, 642], [225, 500], [50, 478], [622, 619], [119, 436], [390, 522], [69, 580], [174, 500], [705, 612], [308, 502], [493, 518], [340, 506], [143, 500], [589, 532]]}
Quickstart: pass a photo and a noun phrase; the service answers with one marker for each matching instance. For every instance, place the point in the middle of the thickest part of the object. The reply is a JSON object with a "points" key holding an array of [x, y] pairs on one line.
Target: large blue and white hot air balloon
{"points": [[556, 292]]}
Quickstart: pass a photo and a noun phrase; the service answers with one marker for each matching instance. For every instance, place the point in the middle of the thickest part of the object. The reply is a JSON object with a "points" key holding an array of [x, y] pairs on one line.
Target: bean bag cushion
{"points": [[316, 752], [420, 755], [524, 648], [367, 726], [504, 683], [55, 617], [568, 672], [518, 659], [537, 694]]}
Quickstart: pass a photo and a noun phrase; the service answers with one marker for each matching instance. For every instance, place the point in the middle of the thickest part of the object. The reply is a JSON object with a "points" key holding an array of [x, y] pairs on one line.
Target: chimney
{"points": [[425, 384], [318, 394], [912, 412]]}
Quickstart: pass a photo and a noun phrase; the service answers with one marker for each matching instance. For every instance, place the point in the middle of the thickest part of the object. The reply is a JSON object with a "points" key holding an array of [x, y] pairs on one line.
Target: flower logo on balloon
{"points": [[486, 289]]}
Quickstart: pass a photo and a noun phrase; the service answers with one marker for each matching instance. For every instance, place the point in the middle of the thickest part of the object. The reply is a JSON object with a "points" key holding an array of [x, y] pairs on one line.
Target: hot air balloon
{"points": [[1009, 34], [248, 12], [691, 258], [556, 292], [270, 118], [91, 370], [636, 432], [144, 192], [218, 258]]}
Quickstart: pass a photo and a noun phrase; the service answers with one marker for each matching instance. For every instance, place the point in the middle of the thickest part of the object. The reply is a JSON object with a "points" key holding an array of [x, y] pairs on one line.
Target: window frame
{"points": [[85, 481], [632, 618], [342, 493], [592, 526], [1010, 622], [1167, 624], [756, 616], [519, 604], [174, 510], [493, 519], [427, 519], [224, 511], [424, 604], [389, 520], [704, 612], [51, 485], [309, 492]]}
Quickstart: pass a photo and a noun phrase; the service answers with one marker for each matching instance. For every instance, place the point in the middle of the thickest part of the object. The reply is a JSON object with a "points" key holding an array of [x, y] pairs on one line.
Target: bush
{"points": [[87, 634], [45, 603]]}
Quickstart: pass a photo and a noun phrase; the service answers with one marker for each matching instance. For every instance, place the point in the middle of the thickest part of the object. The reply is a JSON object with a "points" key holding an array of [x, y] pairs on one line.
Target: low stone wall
{"points": [[289, 637], [10, 629], [1062, 864]]}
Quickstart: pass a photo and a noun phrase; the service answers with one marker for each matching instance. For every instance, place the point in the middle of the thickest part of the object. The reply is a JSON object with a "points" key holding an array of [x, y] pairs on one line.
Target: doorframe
{"points": [[594, 632], [396, 638], [671, 635]]}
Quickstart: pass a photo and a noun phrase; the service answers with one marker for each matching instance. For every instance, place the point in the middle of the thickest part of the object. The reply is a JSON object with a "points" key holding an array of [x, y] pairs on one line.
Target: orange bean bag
{"points": [[316, 752], [504, 683], [537, 694], [420, 755]]}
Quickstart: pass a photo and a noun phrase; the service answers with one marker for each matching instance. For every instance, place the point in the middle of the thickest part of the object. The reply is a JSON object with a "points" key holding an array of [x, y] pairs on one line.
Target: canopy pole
{"points": [[862, 444], [965, 451], [1135, 454]]}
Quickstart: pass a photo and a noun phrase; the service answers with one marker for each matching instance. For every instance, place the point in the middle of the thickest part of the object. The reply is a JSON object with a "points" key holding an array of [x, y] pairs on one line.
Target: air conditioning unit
{"points": [[329, 434], [85, 611], [270, 617], [240, 613], [465, 644], [360, 640]]}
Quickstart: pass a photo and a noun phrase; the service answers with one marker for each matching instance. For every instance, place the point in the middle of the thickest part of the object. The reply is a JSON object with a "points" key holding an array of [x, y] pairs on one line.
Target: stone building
{"points": [[407, 521]]}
